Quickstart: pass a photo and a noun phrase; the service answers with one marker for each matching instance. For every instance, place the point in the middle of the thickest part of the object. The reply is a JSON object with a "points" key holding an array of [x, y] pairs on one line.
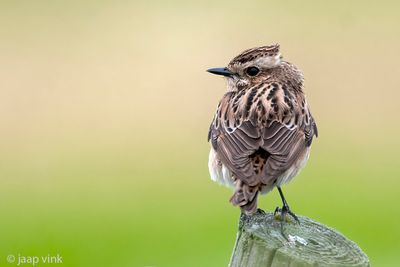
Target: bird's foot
{"points": [[284, 215], [281, 214], [260, 211]]}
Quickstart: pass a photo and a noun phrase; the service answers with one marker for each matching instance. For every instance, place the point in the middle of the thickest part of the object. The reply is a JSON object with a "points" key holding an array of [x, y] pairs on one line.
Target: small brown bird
{"points": [[263, 128]]}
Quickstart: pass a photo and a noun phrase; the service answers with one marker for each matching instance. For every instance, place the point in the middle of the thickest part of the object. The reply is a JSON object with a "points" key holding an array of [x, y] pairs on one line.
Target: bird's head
{"points": [[250, 67]]}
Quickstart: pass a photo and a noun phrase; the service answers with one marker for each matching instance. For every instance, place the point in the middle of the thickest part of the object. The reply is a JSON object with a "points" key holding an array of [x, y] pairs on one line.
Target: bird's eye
{"points": [[252, 71]]}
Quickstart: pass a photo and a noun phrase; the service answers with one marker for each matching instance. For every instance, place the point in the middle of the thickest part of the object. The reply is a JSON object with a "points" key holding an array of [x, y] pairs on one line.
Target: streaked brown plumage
{"points": [[263, 129]]}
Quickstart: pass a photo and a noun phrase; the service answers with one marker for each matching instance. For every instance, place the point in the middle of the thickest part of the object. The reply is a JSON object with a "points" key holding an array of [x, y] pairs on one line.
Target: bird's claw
{"points": [[281, 214]]}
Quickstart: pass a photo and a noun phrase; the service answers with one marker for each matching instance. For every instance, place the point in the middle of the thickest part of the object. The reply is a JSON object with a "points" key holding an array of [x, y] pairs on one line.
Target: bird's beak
{"points": [[221, 71]]}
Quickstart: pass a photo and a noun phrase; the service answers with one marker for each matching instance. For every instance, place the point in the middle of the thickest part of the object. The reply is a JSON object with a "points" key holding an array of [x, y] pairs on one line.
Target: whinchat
{"points": [[262, 130]]}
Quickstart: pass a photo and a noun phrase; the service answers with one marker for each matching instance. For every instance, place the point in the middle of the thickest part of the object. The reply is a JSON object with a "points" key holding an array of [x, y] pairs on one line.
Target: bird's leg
{"points": [[284, 211]]}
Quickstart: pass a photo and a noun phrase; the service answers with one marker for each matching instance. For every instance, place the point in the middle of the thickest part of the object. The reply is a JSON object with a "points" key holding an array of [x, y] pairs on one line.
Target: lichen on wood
{"points": [[308, 243]]}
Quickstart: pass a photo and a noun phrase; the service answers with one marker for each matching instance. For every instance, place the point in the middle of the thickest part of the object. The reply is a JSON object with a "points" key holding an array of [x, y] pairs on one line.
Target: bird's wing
{"points": [[235, 145], [286, 147], [234, 149]]}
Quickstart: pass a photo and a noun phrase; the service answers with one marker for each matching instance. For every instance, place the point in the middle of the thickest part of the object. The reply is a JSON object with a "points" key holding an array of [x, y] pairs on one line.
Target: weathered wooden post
{"points": [[260, 243]]}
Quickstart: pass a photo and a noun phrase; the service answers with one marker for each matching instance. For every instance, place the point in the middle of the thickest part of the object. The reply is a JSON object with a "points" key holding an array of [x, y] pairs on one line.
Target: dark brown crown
{"points": [[256, 52]]}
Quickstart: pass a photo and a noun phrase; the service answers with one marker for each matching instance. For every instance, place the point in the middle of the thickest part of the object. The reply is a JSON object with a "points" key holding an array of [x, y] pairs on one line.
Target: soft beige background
{"points": [[105, 108]]}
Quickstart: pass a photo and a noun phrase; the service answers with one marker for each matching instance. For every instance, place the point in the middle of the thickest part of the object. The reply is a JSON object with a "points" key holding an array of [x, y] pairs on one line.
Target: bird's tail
{"points": [[245, 197]]}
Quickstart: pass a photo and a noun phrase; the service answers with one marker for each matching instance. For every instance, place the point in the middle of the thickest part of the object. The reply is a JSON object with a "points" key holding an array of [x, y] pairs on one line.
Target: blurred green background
{"points": [[105, 108]]}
